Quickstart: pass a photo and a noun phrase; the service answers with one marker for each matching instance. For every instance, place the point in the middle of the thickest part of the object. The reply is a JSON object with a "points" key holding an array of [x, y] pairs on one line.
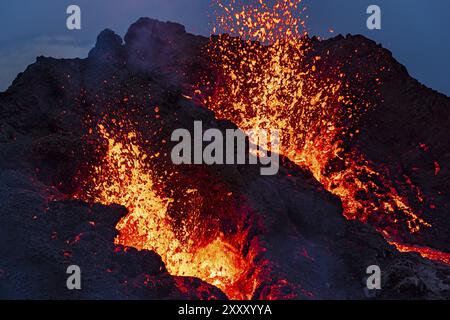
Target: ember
{"points": [[277, 86], [264, 80], [124, 177]]}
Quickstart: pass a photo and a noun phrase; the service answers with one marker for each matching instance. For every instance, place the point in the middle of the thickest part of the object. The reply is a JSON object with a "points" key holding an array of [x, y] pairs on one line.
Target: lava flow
{"points": [[124, 177], [425, 252], [267, 78]]}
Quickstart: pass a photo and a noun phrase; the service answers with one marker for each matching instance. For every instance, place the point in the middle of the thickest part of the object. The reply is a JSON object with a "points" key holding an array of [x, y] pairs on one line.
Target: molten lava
{"points": [[425, 252], [266, 78], [124, 177]]}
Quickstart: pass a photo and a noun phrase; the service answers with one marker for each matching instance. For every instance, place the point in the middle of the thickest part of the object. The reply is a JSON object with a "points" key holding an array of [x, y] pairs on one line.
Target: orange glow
{"points": [[124, 177], [427, 253], [266, 80], [258, 86]]}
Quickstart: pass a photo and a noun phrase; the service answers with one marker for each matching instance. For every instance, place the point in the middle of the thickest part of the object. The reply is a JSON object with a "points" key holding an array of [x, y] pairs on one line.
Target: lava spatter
{"points": [[124, 176], [267, 79]]}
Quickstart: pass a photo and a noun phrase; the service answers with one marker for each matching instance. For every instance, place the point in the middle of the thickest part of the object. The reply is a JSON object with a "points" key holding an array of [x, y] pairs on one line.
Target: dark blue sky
{"points": [[416, 31]]}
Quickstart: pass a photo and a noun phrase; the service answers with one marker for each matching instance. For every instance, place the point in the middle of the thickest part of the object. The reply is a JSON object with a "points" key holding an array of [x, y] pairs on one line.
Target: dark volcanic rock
{"points": [[310, 250], [41, 239], [165, 48], [108, 48], [405, 130]]}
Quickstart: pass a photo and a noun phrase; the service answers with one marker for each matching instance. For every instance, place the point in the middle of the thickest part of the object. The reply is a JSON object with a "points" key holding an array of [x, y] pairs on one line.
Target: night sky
{"points": [[416, 31]]}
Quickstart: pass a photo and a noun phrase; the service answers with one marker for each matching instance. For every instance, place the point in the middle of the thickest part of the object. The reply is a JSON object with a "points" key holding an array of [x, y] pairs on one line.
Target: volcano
{"points": [[87, 178]]}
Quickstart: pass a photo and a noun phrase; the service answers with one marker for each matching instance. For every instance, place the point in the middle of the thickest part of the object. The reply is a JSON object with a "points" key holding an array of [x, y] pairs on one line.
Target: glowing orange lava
{"points": [[425, 252], [266, 80], [124, 177]]}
